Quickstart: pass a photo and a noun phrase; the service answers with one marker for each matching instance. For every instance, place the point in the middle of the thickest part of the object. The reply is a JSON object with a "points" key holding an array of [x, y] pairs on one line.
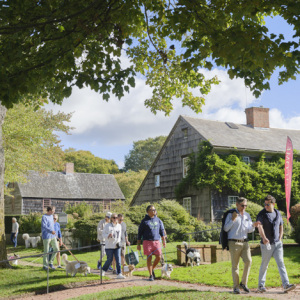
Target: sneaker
{"points": [[153, 274], [110, 268], [236, 291], [261, 289], [151, 278], [103, 273], [51, 267], [45, 268], [120, 276], [114, 272], [59, 267], [289, 287], [244, 287]]}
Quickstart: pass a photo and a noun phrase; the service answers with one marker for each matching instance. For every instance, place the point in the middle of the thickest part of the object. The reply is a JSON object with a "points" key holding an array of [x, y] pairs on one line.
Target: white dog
{"points": [[166, 270], [33, 241], [192, 256], [15, 261], [74, 267]]}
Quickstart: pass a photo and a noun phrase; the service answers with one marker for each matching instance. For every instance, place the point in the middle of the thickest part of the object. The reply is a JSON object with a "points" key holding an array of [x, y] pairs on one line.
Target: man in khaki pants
{"points": [[238, 224]]}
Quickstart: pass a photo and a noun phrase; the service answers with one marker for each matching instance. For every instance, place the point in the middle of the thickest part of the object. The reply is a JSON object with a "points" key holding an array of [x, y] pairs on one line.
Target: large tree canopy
{"points": [[47, 47]]}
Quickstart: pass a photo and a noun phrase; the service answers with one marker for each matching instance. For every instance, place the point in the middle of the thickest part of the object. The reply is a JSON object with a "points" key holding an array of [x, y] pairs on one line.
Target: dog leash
{"points": [[68, 250]]}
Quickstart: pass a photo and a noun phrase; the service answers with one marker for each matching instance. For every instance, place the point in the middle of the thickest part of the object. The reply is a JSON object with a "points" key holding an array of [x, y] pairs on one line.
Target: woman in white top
{"points": [[14, 232], [112, 234]]}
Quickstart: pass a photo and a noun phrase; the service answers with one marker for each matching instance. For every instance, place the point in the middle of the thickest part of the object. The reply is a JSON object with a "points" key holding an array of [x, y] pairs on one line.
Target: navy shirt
{"points": [[271, 221], [151, 229]]}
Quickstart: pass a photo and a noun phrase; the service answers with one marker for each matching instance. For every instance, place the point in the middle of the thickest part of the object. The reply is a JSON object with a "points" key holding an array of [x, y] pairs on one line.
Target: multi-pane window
{"points": [[187, 204], [157, 180], [46, 203], [185, 133], [232, 200], [185, 166], [246, 159]]}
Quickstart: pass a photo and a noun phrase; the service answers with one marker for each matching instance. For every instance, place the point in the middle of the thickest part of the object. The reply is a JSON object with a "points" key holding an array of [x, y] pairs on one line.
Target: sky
{"points": [[108, 129]]}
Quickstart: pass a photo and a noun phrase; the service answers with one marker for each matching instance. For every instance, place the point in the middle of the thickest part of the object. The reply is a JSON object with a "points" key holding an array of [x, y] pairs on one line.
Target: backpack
{"points": [[223, 234]]}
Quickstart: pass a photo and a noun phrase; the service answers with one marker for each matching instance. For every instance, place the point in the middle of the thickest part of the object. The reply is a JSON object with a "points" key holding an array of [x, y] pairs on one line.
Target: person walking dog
{"points": [[238, 224], [271, 232], [150, 230], [14, 232]]}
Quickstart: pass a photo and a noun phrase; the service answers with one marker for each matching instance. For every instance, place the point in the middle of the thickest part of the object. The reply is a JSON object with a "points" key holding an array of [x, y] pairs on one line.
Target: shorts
{"points": [[152, 247], [123, 251]]}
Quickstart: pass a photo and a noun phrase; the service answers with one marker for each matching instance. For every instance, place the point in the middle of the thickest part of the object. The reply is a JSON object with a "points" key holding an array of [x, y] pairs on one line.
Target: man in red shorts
{"points": [[150, 230]]}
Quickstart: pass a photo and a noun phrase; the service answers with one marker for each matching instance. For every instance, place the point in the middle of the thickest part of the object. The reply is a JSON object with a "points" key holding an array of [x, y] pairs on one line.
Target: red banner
{"points": [[288, 172]]}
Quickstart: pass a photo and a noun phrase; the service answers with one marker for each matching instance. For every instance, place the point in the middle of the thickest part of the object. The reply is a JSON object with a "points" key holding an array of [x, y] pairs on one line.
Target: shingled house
{"points": [[170, 165], [59, 188]]}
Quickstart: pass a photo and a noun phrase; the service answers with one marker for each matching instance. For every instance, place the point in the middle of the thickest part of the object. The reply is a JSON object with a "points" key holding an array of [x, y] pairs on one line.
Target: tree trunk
{"points": [[3, 254]]}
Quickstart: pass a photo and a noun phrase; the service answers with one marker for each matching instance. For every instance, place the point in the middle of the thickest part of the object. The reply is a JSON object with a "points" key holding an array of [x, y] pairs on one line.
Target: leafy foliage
{"points": [[30, 223], [143, 154], [86, 162], [129, 182], [296, 233], [82, 210], [295, 214], [49, 47], [31, 142], [253, 181]]}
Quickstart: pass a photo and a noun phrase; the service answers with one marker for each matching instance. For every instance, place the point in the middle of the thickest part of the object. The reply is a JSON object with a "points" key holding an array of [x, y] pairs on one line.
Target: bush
{"points": [[30, 223], [296, 233], [83, 209], [295, 214]]}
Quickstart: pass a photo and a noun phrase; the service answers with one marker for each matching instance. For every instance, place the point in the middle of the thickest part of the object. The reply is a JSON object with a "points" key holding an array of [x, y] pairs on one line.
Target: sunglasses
{"points": [[54, 219], [152, 209], [114, 217], [267, 204], [243, 205]]}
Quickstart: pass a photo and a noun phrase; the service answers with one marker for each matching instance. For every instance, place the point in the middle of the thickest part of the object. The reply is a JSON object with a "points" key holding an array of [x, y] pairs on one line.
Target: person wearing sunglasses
{"points": [[271, 232], [238, 224], [151, 230], [112, 234]]}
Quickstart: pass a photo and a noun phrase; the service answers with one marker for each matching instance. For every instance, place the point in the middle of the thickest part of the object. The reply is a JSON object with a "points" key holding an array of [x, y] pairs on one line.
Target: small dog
{"points": [[15, 261], [33, 241], [71, 266], [192, 256], [166, 270], [127, 271]]}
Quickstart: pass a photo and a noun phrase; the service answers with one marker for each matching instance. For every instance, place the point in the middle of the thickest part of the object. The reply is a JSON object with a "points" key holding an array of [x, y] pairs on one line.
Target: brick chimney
{"points": [[257, 117], [69, 168]]}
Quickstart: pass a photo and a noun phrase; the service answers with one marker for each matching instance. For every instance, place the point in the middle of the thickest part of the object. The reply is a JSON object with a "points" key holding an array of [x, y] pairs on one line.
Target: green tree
{"points": [[47, 47], [129, 182], [31, 142], [86, 162], [143, 153]]}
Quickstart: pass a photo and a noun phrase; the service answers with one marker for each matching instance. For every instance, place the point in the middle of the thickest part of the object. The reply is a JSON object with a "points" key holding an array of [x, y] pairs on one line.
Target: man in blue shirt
{"points": [[238, 224], [271, 232], [49, 237], [151, 229]]}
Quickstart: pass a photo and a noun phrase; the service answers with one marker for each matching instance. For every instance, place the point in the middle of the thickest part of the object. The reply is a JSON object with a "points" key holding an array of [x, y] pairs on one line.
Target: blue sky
{"points": [[108, 129]]}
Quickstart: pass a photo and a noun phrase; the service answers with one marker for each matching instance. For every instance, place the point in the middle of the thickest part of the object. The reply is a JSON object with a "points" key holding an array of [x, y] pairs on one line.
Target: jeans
{"points": [[47, 243], [13, 238], [277, 252], [110, 253]]}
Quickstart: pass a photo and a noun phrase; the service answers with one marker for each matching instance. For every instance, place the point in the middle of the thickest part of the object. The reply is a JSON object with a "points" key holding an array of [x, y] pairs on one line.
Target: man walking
{"points": [[271, 232], [151, 229], [49, 237], [238, 224], [124, 238]]}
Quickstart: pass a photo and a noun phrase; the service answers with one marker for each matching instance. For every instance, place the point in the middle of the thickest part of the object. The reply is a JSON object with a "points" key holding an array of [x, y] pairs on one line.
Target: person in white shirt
{"points": [[14, 232], [112, 235], [124, 238], [238, 224]]}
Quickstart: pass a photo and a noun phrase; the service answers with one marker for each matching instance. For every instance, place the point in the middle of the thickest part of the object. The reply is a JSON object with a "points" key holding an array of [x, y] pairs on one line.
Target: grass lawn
{"points": [[160, 293]]}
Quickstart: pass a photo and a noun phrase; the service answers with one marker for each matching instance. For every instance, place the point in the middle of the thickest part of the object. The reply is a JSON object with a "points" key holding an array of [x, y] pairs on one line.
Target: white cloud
{"points": [[277, 120]]}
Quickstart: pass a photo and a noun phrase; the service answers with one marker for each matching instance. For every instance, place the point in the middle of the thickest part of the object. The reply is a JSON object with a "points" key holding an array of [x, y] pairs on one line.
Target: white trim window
{"points": [[187, 204], [246, 160], [185, 166], [157, 180], [232, 200], [185, 133]]}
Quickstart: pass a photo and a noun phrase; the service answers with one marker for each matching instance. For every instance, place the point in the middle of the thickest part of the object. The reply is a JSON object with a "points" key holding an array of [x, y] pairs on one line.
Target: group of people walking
{"points": [[269, 222]]}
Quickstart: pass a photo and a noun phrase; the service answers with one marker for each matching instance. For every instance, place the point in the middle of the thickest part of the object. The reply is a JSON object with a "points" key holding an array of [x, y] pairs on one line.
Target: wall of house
{"points": [[169, 165], [13, 204]]}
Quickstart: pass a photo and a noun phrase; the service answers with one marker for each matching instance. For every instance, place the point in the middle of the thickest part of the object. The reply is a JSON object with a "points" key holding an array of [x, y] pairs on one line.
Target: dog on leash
{"points": [[192, 256], [15, 261], [33, 241], [127, 270], [74, 267], [166, 270]]}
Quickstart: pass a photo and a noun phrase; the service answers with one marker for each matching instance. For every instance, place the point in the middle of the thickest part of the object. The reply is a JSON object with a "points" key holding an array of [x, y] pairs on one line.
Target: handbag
{"points": [[132, 258]]}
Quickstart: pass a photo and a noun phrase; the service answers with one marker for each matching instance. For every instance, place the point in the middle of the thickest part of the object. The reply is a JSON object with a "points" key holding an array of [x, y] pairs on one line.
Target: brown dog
{"points": [[127, 270]]}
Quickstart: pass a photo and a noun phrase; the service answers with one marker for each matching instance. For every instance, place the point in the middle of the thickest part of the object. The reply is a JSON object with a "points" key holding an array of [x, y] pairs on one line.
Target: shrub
{"points": [[30, 223], [295, 214], [296, 233], [83, 209]]}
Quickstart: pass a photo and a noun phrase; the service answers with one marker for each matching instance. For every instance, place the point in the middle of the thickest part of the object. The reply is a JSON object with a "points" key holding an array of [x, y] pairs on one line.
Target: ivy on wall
{"points": [[229, 173]]}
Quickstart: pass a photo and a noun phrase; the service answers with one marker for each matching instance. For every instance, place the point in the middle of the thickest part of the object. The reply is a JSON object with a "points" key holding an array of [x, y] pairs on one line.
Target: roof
{"points": [[58, 185], [220, 134]]}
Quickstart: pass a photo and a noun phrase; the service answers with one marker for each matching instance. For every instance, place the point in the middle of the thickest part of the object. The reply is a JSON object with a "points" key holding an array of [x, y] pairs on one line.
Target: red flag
{"points": [[288, 171]]}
